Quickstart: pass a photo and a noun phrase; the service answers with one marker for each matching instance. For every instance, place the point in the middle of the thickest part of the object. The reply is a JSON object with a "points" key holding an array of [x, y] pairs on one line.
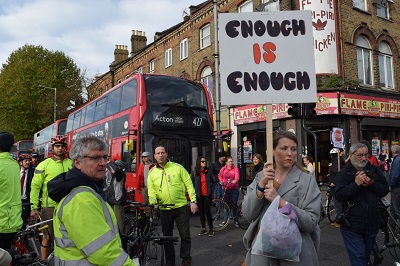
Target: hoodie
{"points": [[62, 185]]}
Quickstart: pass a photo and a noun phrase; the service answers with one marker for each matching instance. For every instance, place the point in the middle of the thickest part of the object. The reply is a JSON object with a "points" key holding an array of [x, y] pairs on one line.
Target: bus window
{"points": [[100, 109], [77, 120], [113, 101], [129, 94], [89, 114]]}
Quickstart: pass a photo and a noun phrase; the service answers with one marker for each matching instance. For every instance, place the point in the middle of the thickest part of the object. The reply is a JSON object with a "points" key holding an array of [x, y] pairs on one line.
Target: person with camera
{"points": [[359, 187]]}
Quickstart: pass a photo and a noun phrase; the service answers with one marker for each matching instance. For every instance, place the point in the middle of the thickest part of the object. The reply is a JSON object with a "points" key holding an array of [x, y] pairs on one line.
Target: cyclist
{"points": [[10, 192], [44, 172], [27, 171], [86, 230], [35, 159]]}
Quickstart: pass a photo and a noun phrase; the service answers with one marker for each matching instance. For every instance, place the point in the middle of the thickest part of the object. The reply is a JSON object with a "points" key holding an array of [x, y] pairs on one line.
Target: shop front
{"points": [[371, 118]]}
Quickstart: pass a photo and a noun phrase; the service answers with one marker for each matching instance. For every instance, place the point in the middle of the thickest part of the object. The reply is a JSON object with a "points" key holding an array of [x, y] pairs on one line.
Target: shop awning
{"points": [[224, 133]]}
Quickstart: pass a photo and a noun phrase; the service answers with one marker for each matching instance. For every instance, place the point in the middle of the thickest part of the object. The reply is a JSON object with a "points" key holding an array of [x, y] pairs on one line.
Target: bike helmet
{"points": [[23, 157], [34, 155], [59, 139], [6, 141]]}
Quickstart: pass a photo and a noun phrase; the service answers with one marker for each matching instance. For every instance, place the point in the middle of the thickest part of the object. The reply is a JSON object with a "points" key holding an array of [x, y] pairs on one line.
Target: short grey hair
{"points": [[82, 146], [356, 147], [395, 149]]}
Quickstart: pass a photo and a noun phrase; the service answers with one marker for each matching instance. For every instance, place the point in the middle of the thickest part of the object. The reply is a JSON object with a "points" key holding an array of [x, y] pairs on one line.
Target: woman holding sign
{"points": [[300, 198]]}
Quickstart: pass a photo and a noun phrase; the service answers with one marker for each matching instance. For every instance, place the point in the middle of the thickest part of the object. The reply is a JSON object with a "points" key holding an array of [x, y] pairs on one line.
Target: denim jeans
{"points": [[359, 246], [181, 216], [234, 195]]}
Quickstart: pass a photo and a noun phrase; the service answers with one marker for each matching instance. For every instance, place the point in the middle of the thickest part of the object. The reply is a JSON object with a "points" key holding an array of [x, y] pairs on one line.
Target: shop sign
{"points": [[324, 31], [327, 103], [352, 104], [260, 65]]}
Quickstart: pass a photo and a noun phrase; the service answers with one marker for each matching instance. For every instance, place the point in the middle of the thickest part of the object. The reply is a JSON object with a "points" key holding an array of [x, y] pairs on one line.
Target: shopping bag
{"points": [[279, 236]]}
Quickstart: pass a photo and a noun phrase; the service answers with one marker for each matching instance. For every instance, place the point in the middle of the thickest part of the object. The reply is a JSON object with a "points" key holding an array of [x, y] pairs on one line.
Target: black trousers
{"points": [[204, 204], [182, 217]]}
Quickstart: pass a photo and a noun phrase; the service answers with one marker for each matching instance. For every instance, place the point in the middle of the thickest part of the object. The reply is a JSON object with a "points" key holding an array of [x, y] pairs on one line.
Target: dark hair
{"points": [[197, 168], [311, 159], [6, 141], [220, 154], [259, 157], [280, 134]]}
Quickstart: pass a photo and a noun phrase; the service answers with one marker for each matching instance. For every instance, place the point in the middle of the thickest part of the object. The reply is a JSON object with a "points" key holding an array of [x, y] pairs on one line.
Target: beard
{"points": [[359, 164]]}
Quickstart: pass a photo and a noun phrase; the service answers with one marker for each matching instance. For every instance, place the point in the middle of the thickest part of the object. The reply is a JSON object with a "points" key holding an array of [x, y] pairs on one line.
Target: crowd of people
{"points": [[64, 188]]}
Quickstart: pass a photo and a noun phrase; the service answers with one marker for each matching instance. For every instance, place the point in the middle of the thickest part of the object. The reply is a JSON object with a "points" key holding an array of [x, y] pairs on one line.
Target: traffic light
{"points": [[294, 109], [310, 110]]}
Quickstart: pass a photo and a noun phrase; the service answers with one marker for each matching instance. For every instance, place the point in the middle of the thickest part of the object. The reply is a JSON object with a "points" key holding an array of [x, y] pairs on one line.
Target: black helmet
{"points": [[6, 141], [34, 155]]}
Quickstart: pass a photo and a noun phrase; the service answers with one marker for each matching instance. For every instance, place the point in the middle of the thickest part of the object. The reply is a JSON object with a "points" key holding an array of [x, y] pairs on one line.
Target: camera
{"points": [[342, 219]]}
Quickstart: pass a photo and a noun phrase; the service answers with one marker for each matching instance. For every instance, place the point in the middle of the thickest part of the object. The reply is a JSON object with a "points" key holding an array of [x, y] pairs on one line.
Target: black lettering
{"points": [[298, 26], [263, 81], [230, 28], [273, 28], [247, 28], [303, 80], [250, 82], [290, 84], [277, 81], [259, 28], [285, 28], [232, 82]]}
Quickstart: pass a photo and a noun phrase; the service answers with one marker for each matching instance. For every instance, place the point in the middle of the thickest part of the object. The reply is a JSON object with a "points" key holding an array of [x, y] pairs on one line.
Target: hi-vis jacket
{"points": [[10, 194], [168, 185], [85, 227], [44, 172]]}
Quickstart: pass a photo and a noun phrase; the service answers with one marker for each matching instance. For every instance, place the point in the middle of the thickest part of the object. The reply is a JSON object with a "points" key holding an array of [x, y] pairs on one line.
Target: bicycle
{"points": [[389, 236], [224, 203], [328, 208], [24, 253], [140, 238]]}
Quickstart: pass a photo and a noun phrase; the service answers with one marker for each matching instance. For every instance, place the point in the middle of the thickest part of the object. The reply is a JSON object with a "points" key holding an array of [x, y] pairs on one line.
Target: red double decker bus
{"points": [[144, 111], [42, 138], [20, 147]]}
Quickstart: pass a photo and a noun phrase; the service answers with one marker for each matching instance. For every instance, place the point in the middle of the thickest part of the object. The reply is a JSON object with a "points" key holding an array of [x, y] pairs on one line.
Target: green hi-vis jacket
{"points": [[168, 185], [10, 194]]}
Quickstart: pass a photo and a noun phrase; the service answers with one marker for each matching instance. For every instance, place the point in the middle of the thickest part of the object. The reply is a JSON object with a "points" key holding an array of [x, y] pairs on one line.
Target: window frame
{"points": [[168, 57], [361, 2], [151, 66], [205, 38], [364, 53], [183, 49], [385, 74], [274, 6], [245, 6]]}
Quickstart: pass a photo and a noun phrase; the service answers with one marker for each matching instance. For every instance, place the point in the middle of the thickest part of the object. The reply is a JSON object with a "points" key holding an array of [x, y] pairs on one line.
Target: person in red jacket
{"points": [[372, 159], [229, 176]]}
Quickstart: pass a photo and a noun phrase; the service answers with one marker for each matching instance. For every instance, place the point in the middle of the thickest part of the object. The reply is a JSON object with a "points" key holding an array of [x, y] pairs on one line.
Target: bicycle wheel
{"points": [[243, 223], [330, 211], [153, 252], [219, 212]]}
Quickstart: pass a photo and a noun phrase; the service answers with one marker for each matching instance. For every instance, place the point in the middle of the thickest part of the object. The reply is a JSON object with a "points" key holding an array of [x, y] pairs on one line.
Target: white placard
{"points": [[267, 57]]}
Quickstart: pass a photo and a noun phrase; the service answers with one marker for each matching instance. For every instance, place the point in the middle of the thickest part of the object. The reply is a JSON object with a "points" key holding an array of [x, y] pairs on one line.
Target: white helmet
{"points": [[334, 151]]}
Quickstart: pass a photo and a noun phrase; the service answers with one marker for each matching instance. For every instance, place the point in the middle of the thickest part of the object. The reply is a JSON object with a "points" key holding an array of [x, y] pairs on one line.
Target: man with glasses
{"points": [[85, 226], [167, 183], [44, 172], [359, 187]]}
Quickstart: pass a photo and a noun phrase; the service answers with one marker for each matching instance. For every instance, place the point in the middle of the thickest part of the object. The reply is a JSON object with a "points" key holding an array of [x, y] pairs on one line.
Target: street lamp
{"points": [[55, 99]]}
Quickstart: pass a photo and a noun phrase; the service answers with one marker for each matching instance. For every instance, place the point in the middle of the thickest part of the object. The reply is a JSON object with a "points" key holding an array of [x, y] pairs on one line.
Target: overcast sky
{"points": [[85, 30]]}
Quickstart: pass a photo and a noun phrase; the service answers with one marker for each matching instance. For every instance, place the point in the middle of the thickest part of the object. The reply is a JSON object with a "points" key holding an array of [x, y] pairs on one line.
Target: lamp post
{"points": [[55, 99]]}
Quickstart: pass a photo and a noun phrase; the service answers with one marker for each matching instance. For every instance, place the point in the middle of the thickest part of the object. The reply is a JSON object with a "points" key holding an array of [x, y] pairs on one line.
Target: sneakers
{"points": [[222, 224], [203, 232], [236, 224], [335, 225], [210, 232]]}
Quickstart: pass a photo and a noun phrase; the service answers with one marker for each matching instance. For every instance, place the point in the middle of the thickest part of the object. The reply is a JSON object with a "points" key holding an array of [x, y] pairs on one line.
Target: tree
{"points": [[27, 108]]}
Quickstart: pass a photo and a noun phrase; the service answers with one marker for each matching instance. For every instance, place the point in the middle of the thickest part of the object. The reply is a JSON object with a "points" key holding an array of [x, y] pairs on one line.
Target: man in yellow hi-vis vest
{"points": [[85, 227]]}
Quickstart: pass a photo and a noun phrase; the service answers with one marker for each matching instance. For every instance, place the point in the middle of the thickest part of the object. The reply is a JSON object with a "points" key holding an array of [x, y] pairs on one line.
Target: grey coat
{"points": [[301, 190]]}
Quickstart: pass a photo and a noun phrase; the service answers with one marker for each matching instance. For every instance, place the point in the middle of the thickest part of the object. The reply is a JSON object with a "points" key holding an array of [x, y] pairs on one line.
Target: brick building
{"points": [[357, 65]]}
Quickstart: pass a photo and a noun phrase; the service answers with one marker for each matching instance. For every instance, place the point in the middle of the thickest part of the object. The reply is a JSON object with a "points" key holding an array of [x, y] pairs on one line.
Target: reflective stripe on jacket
{"points": [[44, 172], [10, 194], [169, 185], [86, 231]]}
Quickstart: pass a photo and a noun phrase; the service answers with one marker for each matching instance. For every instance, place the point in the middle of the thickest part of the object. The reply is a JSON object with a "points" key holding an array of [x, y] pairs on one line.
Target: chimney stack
{"points": [[120, 53], [138, 41]]}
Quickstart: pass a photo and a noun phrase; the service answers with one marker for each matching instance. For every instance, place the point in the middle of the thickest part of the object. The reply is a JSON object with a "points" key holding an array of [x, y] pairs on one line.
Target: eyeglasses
{"points": [[361, 155], [97, 159], [203, 161]]}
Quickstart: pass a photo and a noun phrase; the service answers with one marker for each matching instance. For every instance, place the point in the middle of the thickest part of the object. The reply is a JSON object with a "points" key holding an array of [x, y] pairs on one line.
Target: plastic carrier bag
{"points": [[278, 237]]}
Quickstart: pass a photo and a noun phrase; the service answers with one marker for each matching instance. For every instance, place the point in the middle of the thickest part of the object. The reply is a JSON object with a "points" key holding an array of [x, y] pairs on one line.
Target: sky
{"points": [[85, 30]]}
